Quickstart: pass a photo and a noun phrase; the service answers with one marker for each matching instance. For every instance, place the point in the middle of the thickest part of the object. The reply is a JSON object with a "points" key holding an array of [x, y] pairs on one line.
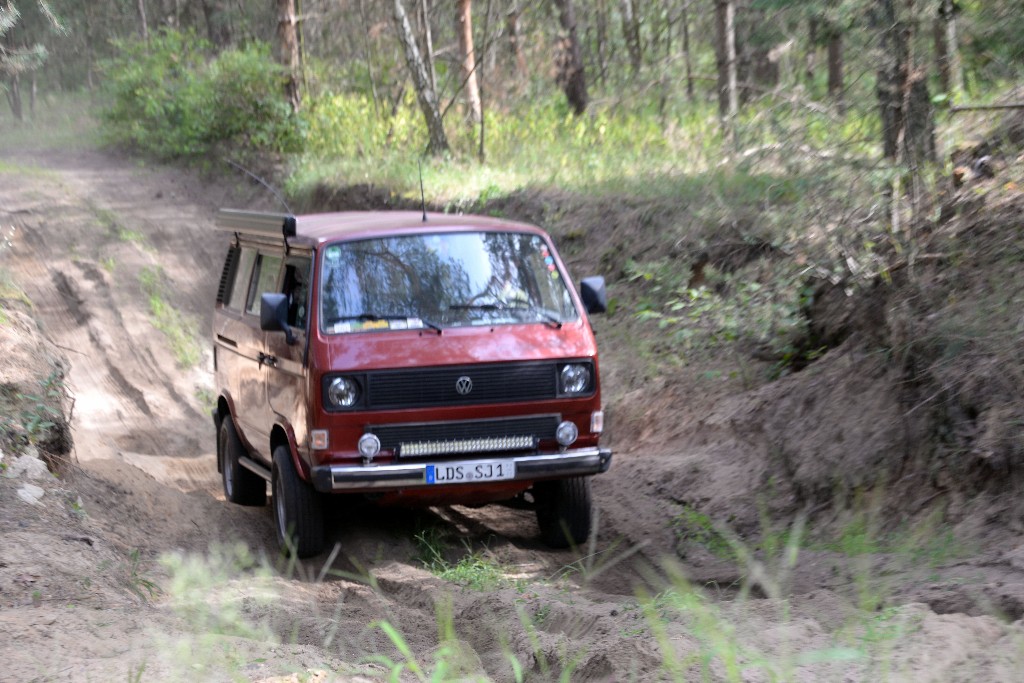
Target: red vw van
{"points": [[425, 359]]}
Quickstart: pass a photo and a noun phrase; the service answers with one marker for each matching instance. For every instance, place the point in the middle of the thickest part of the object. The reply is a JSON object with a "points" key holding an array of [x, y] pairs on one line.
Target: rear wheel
{"points": [[563, 511], [241, 486], [298, 509]]}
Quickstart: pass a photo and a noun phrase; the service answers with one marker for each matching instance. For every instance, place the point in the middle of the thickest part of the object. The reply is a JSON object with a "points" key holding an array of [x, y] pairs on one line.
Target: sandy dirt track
{"points": [[89, 227]]}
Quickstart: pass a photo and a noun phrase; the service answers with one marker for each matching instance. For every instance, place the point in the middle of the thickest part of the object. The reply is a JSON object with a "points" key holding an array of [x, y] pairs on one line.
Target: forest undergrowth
{"points": [[757, 278]]}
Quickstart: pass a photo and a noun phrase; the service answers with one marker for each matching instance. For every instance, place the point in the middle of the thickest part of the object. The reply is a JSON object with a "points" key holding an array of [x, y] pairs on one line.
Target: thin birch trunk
{"points": [[288, 51], [425, 95], [464, 28]]}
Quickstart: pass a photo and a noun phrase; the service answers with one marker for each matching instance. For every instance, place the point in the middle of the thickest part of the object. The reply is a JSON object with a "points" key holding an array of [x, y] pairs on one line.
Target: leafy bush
{"points": [[350, 126], [169, 98]]}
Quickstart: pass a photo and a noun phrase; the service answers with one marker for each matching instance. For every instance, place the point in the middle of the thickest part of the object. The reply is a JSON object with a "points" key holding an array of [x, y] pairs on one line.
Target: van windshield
{"points": [[441, 280]]}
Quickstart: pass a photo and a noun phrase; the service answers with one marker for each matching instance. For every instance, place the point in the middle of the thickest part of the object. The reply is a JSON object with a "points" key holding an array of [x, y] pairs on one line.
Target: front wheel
{"points": [[241, 486], [298, 509], [563, 511]]}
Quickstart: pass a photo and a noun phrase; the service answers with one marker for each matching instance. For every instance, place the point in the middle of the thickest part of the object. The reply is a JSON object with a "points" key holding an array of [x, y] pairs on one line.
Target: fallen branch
{"points": [[984, 107]]}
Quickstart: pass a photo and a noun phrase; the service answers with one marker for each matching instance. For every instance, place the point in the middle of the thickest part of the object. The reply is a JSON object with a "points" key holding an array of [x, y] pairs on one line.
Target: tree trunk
{"points": [[175, 19], [811, 58], [89, 42], [571, 76], [425, 94], [728, 97], [891, 77], [835, 67], [14, 97], [947, 51], [464, 29], [687, 56], [368, 56], [908, 125], [482, 151], [428, 43], [143, 26], [514, 39], [216, 29], [601, 31], [631, 33], [288, 51]]}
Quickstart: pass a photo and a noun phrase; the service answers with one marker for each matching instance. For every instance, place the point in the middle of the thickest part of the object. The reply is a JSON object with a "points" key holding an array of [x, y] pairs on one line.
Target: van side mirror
{"points": [[595, 299], [274, 314]]}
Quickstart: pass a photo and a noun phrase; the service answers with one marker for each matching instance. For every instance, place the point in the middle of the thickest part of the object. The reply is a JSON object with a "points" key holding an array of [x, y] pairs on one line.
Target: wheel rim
{"points": [[282, 530], [226, 467]]}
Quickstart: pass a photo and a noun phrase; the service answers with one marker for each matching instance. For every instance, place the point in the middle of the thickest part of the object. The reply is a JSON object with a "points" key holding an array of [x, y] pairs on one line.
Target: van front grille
{"points": [[461, 385]]}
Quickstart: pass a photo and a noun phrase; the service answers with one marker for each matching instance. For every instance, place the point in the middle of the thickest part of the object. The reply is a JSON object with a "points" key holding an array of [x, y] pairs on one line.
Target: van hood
{"points": [[363, 351]]}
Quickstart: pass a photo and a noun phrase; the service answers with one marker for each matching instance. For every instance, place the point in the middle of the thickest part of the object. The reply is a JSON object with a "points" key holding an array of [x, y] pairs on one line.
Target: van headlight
{"points": [[341, 392], [575, 379]]}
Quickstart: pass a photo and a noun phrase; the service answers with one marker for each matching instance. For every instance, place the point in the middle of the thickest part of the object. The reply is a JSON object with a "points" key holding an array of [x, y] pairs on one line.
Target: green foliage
{"points": [[474, 570], [538, 141], [349, 126], [728, 308], [29, 418], [181, 331], [694, 527], [15, 61], [9, 289], [137, 582], [168, 97]]}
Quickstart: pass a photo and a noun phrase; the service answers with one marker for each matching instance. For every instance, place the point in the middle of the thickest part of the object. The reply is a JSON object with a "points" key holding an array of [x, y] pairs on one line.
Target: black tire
{"points": [[241, 486], [563, 511], [298, 509]]}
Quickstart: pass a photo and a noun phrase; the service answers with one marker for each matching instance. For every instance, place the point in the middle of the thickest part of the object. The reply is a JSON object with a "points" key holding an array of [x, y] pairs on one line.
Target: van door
{"points": [[285, 369], [235, 337], [254, 414]]}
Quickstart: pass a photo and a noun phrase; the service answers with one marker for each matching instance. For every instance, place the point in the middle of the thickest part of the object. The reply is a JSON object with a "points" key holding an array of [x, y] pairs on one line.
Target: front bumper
{"points": [[571, 463]]}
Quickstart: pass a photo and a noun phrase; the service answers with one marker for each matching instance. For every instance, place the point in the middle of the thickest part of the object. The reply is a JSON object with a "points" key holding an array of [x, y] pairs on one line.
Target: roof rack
{"points": [[273, 225]]}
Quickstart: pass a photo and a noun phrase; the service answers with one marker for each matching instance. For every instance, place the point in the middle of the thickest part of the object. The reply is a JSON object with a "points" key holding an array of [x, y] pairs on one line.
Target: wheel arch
{"points": [[282, 435]]}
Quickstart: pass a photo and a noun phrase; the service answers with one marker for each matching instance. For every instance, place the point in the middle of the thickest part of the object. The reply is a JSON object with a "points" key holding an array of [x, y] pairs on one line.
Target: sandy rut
{"points": [[89, 231]]}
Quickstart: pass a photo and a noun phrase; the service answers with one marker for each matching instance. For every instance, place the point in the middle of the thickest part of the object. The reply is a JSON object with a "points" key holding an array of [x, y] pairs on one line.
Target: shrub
{"points": [[168, 97]]}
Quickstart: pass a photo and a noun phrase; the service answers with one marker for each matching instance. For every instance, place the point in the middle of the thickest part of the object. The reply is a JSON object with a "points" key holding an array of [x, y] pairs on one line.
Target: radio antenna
{"points": [[262, 182], [423, 198]]}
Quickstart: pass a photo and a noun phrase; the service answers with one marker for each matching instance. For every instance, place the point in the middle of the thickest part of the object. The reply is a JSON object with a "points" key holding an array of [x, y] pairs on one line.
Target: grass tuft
{"points": [[181, 330]]}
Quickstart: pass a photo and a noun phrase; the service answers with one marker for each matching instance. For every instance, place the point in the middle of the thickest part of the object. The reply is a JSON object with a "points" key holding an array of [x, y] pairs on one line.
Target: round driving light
{"points": [[566, 433], [575, 379], [343, 392], [369, 445]]}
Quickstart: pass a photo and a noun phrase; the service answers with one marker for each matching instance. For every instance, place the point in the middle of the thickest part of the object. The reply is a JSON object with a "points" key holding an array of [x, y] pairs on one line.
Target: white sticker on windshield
{"points": [[332, 253], [341, 328], [415, 323]]}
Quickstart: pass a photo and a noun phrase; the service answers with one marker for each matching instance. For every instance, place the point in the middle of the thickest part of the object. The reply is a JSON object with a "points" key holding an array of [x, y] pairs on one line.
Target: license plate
{"points": [[471, 471]]}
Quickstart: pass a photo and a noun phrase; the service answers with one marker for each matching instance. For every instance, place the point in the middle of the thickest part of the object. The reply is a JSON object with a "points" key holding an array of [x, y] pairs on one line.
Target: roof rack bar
{"points": [[257, 223]]}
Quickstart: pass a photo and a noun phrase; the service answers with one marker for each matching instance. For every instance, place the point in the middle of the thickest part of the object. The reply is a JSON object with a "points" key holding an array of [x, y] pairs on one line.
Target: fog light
{"points": [[566, 433], [597, 422], [318, 439], [369, 446]]}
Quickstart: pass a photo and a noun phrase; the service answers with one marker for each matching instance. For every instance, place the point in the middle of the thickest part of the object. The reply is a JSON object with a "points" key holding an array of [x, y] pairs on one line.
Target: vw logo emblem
{"points": [[463, 385]]}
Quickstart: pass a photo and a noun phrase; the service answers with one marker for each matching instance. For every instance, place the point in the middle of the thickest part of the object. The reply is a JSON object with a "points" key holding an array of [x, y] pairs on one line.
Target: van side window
{"points": [[296, 286], [263, 280], [240, 286]]}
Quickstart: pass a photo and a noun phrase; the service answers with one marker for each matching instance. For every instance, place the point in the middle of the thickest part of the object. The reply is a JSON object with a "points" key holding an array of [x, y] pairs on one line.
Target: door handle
{"points": [[266, 359]]}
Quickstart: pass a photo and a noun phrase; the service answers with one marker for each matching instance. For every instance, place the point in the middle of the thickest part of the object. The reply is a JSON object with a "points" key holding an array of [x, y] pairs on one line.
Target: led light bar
{"points": [[497, 443]]}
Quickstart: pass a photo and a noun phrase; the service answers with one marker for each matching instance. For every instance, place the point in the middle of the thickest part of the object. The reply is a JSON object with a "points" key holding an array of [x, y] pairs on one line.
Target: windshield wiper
{"points": [[367, 315], [478, 307], [539, 312]]}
